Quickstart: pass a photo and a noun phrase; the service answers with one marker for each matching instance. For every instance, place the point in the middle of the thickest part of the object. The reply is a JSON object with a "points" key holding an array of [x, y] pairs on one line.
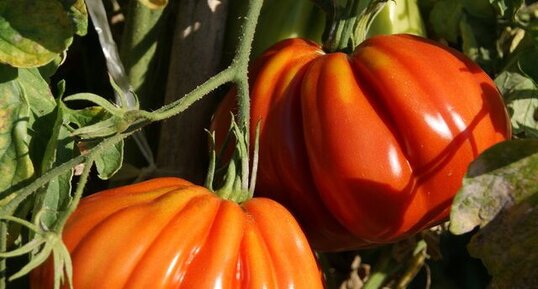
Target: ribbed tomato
{"points": [[370, 147], [169, 233]]}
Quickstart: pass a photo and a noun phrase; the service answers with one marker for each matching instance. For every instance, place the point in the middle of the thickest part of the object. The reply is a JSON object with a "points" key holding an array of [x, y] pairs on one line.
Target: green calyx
{"points": [[347, 22], [238, 179]]}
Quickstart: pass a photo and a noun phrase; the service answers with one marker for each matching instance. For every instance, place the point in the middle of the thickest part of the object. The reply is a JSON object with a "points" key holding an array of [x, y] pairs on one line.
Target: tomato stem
{"points": [[255, 158], [339, 25], [347, 23], [241, 61], [233, 188], [212, 162], [77, 196], [232, 73]]}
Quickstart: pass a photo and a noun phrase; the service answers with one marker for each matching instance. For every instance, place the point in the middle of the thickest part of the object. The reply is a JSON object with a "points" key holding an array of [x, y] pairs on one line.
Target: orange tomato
{"points": [[169, 233]]}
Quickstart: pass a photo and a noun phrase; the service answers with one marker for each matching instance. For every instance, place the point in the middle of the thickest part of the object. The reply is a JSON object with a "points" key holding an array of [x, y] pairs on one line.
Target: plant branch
{"points": [[78, 193], [237, 72], [22, 194], [183, 103], [348, 22], [241, 61]]}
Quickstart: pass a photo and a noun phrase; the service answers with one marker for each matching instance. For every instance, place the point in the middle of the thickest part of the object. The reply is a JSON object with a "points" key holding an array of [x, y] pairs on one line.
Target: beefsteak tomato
{"points": [[169, 233], [370, 147]]}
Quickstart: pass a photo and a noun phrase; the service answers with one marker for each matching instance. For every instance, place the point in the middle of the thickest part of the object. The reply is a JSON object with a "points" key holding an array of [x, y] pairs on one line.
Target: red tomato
{"points": [[169, 233], [370, 147]]}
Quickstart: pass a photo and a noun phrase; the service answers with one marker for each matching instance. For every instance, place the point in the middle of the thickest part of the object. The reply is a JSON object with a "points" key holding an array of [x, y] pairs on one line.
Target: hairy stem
{"points": [[22, 194], [196, 94], [241, 61], [78, 194], [237, 72]]}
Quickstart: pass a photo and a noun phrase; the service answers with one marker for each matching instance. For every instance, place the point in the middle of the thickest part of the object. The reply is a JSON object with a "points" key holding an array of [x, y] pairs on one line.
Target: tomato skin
{"points": [[371, 147], [169, 233]]}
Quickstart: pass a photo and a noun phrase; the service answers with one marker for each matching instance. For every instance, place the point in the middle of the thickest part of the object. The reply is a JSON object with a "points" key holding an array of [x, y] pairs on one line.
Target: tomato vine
{"points": [[127, 123]]}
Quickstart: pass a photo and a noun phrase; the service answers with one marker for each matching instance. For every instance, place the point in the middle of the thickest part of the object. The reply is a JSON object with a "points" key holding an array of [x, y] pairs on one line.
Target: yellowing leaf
{"points": [[25, 43], [24, 96]]}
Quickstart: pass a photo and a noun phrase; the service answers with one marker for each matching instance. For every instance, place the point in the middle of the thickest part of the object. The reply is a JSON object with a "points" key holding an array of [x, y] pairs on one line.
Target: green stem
{"points": [[365, 20], [382, 271], [237, 72], [212, 162], [183, 103], [244, 119], [78, 194], [139, 47], [22, 194], [255, 159], [226, 190], [347, 22], [415, 264], [241, 61], [340, 24]]}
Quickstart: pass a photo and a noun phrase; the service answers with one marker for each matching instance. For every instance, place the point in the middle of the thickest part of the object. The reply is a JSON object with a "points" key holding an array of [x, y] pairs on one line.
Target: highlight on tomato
{"points": [[169, 233], [371, 147]]}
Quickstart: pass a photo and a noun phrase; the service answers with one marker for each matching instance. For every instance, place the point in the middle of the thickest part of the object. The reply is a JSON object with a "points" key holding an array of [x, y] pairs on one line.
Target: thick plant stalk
{"points": [[195, 56], [139, 50], [142, 51]]}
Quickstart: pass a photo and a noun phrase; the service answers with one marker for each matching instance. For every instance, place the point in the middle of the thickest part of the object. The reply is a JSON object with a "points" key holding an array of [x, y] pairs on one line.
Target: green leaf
{"points": [[115, 122], [56, 195], [96, 99], [507, 245], [98, 121], [110, 161], [37, 91], [15, 163], [33, 33], [50, 68], [503, 176], [76, 10], [500, 194], [105, 128], [87, 116], [445, 19], [478, 41], [521, 97], [24, 98]]}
